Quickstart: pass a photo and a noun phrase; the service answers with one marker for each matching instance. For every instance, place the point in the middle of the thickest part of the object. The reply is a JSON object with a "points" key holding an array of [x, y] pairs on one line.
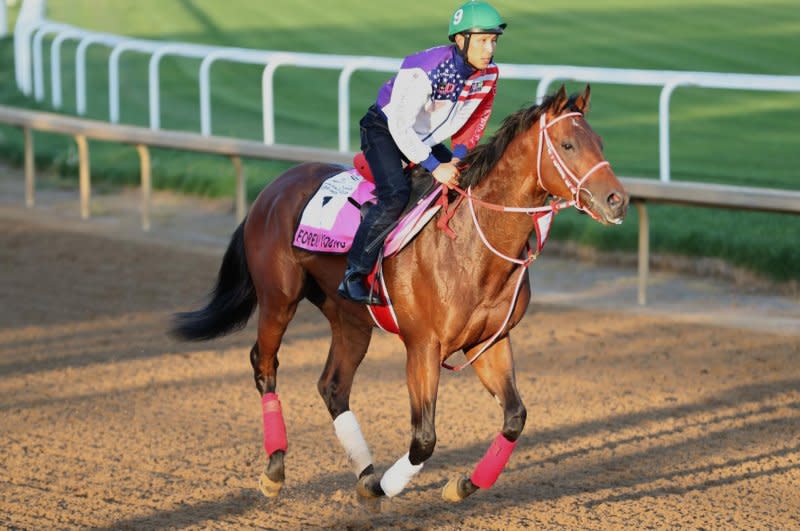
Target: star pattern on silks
{"points": [[447, 82]]}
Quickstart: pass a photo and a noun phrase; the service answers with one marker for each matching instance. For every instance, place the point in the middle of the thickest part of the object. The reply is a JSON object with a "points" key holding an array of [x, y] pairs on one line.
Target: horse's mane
{"points": [[484, 157]]}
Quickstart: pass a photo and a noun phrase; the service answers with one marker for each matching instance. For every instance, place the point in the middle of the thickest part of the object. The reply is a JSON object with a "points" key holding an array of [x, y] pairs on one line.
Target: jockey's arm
{"points": [[442, 152], [412, 89]]}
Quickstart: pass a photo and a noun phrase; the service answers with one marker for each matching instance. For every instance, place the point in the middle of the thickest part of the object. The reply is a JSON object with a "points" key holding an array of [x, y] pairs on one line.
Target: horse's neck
{"points": [[513, 183]]}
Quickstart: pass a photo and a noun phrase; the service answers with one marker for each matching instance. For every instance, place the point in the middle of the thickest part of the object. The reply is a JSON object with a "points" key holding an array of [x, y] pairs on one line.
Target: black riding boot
{"points": [[354, 287]]}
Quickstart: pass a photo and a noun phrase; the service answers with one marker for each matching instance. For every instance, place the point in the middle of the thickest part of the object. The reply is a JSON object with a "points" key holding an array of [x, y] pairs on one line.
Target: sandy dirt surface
{"points": [[635, 419]]}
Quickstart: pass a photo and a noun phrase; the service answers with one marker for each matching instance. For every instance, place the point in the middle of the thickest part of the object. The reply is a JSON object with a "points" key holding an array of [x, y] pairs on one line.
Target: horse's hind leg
{"points": [[495, 368], [350, 339], [276, 309]]}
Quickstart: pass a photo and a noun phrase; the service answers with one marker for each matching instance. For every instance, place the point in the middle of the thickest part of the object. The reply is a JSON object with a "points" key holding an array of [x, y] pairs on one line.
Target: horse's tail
{"points": [[232, 300]]}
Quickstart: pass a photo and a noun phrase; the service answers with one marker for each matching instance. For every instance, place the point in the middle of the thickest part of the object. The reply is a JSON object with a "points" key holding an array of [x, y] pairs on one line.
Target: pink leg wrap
{"points": [[496, 457], [274, 427]]}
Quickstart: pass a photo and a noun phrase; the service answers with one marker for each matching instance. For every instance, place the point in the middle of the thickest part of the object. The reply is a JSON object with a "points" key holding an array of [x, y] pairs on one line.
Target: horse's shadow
{"points": [[587, 470], [236, 503], [54, 347], [656, 468]]}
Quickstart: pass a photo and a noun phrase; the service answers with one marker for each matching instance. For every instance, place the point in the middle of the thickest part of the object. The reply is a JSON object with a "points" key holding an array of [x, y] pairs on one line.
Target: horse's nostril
{"points": [[614, 200]]}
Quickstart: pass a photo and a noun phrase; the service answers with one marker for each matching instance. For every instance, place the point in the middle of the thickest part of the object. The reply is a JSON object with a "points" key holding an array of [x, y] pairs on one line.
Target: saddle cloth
{"points": [[331, 217]]}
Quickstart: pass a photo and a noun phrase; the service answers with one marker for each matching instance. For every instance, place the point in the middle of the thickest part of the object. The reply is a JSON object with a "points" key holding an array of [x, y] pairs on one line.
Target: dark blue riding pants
{"points": [[392, 187]]}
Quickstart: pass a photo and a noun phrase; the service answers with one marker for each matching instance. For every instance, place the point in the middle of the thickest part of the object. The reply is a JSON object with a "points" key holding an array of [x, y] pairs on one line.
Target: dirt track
{"points": [[633, 421]]}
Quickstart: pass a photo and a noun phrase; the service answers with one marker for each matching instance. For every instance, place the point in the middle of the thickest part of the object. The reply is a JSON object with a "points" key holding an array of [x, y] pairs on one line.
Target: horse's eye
{"points": [[566, 145]]}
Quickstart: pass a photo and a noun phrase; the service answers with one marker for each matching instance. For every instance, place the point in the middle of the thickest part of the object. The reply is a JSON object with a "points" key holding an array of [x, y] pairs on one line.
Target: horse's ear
{"points": [[582, 102], [561, 99]]}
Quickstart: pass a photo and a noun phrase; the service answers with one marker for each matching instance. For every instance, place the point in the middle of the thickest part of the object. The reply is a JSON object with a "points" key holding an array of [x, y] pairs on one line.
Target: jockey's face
{"points": [[481, 48]]}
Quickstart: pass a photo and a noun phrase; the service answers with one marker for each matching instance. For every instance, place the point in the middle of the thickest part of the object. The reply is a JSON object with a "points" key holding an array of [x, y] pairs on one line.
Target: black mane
{"points": [[483, 158]]}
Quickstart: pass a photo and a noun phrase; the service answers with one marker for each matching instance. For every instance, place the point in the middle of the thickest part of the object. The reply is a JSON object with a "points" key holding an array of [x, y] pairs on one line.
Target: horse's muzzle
{"points": [[613, 210]]}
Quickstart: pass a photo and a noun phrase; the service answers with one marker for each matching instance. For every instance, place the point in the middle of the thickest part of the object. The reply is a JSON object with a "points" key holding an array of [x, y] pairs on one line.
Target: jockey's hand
{"points": [[447, 173]]}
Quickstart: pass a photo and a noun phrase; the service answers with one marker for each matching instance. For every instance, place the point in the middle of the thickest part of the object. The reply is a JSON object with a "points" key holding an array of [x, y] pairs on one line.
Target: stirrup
{"points": [[363, 296]]}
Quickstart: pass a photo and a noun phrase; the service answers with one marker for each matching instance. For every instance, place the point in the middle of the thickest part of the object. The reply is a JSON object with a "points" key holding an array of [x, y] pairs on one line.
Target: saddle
{"points": [[332, 214], [422, 182], [331, 217]]}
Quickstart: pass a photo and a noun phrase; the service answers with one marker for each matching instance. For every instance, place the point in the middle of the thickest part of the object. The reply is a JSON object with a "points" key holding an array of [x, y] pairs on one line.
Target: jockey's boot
{"points": [[354, 287]]}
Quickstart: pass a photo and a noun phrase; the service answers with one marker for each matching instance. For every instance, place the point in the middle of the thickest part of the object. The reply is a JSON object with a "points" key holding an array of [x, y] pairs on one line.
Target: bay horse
{"points": [[450, 294]]}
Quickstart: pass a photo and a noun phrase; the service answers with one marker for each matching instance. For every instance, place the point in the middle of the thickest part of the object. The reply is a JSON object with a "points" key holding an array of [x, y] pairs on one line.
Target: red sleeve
{"points": [[472, 131]]}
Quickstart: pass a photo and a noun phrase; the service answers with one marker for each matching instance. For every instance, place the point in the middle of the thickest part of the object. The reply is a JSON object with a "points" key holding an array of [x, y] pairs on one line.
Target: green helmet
{"points": [[476, 16]]}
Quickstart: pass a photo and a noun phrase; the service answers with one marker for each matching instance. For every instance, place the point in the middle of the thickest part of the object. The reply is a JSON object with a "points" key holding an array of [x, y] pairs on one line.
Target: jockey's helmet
{"points": [[476, 16]]}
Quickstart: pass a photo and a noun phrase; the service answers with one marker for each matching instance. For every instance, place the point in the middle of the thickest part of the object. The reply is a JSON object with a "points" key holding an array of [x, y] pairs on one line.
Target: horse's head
{"points": [[570, 159]]}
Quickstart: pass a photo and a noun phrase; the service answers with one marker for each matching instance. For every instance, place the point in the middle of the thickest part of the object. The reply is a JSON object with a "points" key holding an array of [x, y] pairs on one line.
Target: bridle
{"points": [[575, 186], [573, 183]]}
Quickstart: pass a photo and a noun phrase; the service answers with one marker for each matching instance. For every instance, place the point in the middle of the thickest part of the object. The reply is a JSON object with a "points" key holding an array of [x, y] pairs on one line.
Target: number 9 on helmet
{"points": [[475, 16]]}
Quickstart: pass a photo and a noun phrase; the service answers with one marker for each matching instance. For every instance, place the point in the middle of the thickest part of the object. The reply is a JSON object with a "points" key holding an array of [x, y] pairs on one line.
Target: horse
{"points": [[450, 294]]}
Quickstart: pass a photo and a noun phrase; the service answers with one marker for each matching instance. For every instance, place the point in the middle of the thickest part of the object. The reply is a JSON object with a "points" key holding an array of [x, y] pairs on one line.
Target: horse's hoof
{"points": [[370, 504], [450, 491], [458, 489], [269, 488], [369, 487]]}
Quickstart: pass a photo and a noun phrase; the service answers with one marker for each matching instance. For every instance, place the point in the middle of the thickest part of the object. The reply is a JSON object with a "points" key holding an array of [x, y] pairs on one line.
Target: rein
{"points": [[574, 184]]}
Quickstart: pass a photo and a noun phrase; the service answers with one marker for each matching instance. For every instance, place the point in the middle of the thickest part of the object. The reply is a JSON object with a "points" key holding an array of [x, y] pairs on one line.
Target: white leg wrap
{"points": [[349, 433], [399, 474]]}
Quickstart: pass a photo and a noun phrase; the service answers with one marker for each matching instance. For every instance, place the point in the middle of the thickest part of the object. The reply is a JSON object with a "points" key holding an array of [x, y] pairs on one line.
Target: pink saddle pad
{"points": [[331, 217]]}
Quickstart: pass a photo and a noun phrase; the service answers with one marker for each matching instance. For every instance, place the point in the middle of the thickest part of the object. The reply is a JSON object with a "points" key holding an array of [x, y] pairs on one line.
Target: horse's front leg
{"points": [[495, 368], [422, 375]]}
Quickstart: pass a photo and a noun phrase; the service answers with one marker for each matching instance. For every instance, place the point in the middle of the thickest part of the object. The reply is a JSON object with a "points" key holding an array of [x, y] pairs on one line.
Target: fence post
{"points": [[663, 129], [80, 74], [542, 88], [3, 19], [241, 188], [644, 250], [84, 179], [344, 105], [113, 72], [31, 14], [205, 91], [153, 89], [268, 98], [144, 165], [38, 61], [38, 68], [55, 64], [30, 176]]}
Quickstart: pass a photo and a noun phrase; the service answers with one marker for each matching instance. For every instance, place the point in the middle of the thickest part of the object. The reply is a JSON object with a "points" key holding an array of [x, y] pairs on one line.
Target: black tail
{"points": [[232, 300]]}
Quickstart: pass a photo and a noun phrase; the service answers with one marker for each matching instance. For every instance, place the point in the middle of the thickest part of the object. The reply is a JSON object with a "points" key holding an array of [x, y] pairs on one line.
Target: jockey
{"points": [[439, 93]]}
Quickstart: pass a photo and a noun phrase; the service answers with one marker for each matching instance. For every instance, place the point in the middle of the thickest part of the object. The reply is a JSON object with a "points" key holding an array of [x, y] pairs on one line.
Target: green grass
{"points": [[734, 137]]}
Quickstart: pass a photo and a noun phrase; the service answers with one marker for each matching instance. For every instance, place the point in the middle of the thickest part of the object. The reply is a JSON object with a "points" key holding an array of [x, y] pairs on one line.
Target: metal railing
{"points": [[83, 130], [546, 75], [3, 19], [640, 190], [30, 15]]}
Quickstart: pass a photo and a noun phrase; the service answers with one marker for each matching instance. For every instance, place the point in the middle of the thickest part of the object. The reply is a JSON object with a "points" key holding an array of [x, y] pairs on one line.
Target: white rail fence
{"points": [[641, 191], [3, 19], [32, 28]]}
